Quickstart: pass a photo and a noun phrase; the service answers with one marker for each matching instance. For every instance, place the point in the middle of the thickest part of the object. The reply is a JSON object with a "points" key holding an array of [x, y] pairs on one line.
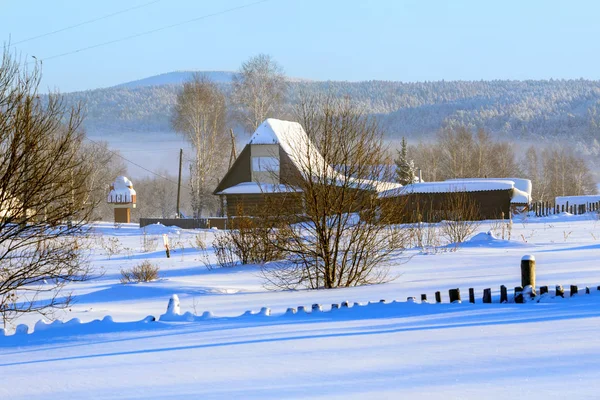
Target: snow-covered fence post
{"points": [[518, 294], [503, 294], [545, 208], [528, 272], [423, 298], [438, 297], [454, 295], [487, 296], [166, 242], [543, 290], [471, 295], [559, 291], [173, 306], [574, 290]]}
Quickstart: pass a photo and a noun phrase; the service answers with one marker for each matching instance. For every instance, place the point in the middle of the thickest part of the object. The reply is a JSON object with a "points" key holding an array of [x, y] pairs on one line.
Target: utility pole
{"points": [[179, 182], [233, 155]]}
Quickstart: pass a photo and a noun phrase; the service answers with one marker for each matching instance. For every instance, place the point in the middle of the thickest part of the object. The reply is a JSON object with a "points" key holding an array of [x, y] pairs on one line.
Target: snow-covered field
{"points": [[395, 350]]}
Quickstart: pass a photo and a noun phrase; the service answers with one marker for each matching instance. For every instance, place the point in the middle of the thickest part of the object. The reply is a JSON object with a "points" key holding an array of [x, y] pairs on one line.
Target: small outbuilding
{"points": [[521, 198], [122, 197], [434, 201]]}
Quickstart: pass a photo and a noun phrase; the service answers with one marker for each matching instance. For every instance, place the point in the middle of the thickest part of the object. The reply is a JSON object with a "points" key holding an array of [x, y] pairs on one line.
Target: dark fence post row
{"points": [[520, 292], [544, 208]]}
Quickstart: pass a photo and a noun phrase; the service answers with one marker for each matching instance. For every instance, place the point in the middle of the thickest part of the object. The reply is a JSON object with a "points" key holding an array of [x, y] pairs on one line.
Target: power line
{"points": [[85, 22], [136, 164], [155, 30], [148, 151]]}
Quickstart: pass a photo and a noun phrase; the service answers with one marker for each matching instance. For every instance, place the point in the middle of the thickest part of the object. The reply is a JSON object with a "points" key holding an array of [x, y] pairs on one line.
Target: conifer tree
{"points": [[405, 168]]}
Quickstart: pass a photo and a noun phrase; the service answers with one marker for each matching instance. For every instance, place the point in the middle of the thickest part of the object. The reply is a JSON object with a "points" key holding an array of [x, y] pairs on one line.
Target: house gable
{"points": [[238, 173]]}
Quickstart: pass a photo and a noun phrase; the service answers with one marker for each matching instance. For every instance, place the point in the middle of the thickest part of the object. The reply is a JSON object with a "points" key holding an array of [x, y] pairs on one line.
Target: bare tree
{"points": [[339, 240], [427, 157], [259, 89], [558, 171], [105, 165], [461, 218], [156, 196], [460, 153], [200, 115], [42, 187]]}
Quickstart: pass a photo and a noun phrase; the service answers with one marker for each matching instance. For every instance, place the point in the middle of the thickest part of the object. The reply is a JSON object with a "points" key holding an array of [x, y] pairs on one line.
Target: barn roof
{"points": [[453, 186], [523, 186]]}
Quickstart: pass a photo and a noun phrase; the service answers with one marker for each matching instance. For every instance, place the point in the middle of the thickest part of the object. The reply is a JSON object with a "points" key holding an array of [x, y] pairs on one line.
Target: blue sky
{"points": [[404, 40]]}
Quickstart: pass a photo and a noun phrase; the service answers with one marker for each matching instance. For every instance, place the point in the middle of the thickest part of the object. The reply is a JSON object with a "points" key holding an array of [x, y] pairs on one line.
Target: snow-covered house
{"points": [[430, 201], [278, 157]]}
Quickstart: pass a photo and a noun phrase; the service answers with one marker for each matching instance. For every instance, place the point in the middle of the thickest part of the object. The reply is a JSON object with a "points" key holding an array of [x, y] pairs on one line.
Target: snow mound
{"points": [[160, 229], [488, 239]]}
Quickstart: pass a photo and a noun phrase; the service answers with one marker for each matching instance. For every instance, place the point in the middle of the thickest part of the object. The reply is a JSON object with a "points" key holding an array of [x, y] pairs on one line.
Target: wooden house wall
{"points": [[431, 207], [259, 204]]}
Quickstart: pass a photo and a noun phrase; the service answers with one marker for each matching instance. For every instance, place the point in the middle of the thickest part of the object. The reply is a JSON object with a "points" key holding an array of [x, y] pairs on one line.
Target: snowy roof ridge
{"points": [[257, 188], [449, 187], [304, 154], [522, 184]]}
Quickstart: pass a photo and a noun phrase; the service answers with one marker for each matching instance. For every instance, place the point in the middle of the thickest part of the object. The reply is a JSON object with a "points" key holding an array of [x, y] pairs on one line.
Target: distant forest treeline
{"points": [[509, 110]]}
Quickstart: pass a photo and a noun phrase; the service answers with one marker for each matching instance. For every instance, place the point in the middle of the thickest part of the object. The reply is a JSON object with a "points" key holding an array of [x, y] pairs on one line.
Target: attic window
{"points": [[265, 164]]}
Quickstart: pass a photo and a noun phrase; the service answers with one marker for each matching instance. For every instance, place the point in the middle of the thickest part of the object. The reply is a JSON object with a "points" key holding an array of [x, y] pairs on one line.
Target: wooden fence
{"points": [[519, 295], [545, 208], [187, 223]]}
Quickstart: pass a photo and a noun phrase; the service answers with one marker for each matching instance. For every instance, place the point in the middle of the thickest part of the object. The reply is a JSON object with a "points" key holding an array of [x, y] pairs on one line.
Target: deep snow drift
{"points": [[213, 348]]}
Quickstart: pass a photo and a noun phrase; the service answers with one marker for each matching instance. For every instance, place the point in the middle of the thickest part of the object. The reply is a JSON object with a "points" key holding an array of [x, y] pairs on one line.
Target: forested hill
{"points": [[510, 109]]}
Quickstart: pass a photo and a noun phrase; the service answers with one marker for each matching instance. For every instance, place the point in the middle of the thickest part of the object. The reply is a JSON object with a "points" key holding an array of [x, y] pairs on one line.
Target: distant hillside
{"points": [[177, 78], [519, 110]]}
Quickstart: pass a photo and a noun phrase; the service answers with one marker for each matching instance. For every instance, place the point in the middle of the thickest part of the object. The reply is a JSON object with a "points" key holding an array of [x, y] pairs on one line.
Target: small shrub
{"points": [[224, 250], [254, 241], [200, 241], [111, 246], [502, 228], [461, 219], [144, 272], [149, 243]]}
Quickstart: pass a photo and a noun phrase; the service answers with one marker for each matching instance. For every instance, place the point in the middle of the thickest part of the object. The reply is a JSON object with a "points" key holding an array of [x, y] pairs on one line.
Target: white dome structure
{"points": [[122, 197], [121, 191]]}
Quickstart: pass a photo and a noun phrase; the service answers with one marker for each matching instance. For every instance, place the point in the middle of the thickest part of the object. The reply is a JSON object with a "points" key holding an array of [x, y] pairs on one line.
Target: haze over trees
{"points": [[465, 128], [509, 109], [462, 153]]}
